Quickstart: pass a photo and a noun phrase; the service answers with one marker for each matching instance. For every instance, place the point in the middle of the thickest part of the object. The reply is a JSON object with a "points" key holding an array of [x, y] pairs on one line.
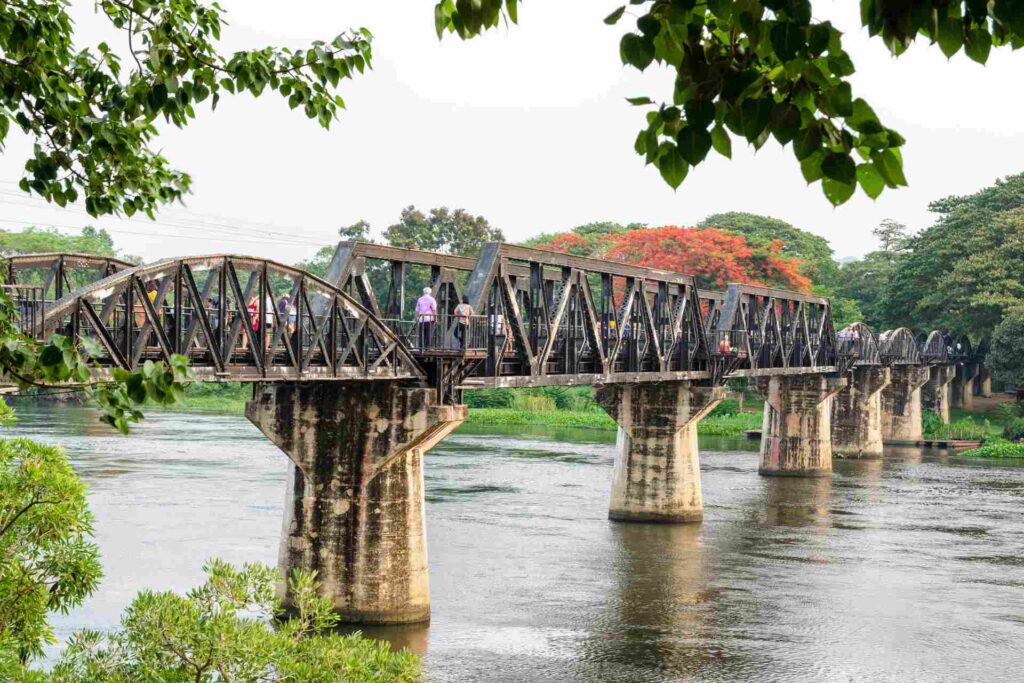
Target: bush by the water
{"points": [[966, 428], [729, 406], [997, 449], [541, 398], [1014, 429]]}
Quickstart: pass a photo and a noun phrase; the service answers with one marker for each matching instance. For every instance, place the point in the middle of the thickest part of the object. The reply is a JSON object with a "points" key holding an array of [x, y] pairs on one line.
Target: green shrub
{"points": [[729, 406], [1008, 411], [489, 398], [965, 428], [1014, 429], [533, 403], [997, 449]]}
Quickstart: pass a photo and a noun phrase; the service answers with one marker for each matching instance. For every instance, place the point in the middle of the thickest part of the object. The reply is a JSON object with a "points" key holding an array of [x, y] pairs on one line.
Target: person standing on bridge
{"points": [[426, 314], [462, 313]]}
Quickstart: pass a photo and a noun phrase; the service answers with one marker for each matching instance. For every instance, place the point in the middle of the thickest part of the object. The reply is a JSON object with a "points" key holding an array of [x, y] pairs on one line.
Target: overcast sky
{"points": [[527, 126]]}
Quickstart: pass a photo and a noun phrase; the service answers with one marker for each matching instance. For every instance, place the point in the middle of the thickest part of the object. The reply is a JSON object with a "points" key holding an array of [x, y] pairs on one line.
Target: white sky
{"points": [[528, 127]]}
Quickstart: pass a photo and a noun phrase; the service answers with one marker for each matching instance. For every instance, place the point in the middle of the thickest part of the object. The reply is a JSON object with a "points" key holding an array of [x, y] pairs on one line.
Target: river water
{"points": [[907, 569]]}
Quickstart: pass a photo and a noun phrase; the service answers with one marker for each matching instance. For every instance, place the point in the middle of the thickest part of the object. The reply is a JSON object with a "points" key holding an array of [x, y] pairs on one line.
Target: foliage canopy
{"points": [[91, 113], [761, 69]]}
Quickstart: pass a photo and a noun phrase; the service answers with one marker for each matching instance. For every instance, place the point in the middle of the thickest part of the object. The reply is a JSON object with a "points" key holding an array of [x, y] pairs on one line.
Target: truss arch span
{"points": [[856, 346], [236, 318], [899, 347]]}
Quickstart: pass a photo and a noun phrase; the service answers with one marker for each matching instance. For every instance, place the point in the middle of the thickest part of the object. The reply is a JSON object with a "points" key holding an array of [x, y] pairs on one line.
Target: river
{"points": [[906, 569]]}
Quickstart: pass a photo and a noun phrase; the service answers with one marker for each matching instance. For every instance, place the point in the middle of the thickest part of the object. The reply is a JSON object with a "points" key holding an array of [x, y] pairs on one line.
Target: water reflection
{"points": [[797, 501], [661, 609]]}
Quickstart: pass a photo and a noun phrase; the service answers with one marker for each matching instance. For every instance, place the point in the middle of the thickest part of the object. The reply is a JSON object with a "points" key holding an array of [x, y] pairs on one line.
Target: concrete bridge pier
{"points": [[354, 509], [796, 436], [963, 391], [983, 383], [857, 414], [901, 403], [936, 393], [657, 471]]}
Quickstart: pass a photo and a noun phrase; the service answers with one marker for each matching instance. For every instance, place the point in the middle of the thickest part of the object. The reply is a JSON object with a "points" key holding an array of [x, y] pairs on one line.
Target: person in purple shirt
{"points": [[426, 314]]}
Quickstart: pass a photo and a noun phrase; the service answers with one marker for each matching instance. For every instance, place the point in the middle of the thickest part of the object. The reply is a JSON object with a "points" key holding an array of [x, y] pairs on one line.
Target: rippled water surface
{"points": [[906, 569]]}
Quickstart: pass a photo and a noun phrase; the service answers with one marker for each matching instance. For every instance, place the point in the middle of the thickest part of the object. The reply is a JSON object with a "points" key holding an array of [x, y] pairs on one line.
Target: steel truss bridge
{"points": [[541, 318]]}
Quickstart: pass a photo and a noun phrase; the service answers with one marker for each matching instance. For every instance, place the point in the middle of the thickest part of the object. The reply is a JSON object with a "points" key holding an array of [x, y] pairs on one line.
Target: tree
{"points": [[964, 272], [866, 282], [893, 236], [760, 69], [221, 631], [1005, 358], [714, 257], [35, 240], [91, 115], [451, 232], [590, 239], [49, 562], [814, 252], [357, 232]]}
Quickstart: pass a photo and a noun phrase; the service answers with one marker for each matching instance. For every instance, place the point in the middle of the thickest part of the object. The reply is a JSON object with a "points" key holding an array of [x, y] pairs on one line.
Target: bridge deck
{"points": [[541, 318]]}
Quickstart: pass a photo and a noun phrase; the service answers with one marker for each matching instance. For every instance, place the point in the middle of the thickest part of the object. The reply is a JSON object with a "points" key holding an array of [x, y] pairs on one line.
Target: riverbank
{"points": [[231, 398], [721, 425]]}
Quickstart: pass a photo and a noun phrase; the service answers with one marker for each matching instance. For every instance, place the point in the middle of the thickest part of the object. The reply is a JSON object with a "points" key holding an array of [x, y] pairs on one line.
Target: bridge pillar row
{"points": [[656, 477], [857, 414], [901, 403], [962, 388], [796, 435], [354, 508], [936, 393], [982, 383]]}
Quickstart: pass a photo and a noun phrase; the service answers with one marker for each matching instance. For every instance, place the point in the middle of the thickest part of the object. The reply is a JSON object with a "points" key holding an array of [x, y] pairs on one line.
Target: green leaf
{"points": [[755, 114], [811, 167], [864, 119], [700, 113], [951, 36], [839, 167], [785, 122], [807, 142], [788, 39], [694, 144], [636, 51], [870, 180], [819, 37], [649, 26], [672, 165], [721, 142], [841, 99], [614, 17], [836, 191], [978, 45], [639, 101], [890, 166]]}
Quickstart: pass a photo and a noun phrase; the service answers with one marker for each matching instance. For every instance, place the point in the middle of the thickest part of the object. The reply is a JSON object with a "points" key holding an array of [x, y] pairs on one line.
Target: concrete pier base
{"points": [[963, 386], [857, 414], [936, 393], [354, 510], [796, 435], [901, 403], [657, 472], [983, 384]]}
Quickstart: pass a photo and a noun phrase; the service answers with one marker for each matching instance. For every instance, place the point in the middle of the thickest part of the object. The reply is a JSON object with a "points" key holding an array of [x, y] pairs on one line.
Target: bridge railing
{"points": [[447, 333], [29, 306]]}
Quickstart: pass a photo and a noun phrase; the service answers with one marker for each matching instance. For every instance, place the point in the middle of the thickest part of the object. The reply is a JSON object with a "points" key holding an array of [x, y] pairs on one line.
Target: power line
{"points": [[207, 222]]}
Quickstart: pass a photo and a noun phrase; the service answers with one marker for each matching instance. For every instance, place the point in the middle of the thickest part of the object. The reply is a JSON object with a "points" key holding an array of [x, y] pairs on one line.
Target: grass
{"points": [[230, 398], [996, 449], [724, 425]]}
